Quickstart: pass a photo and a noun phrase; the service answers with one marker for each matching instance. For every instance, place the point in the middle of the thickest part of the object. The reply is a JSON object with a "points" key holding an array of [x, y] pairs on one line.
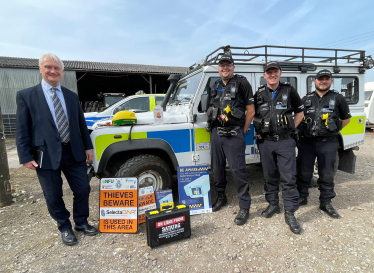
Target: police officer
{"points": [[274, 122], [326, 113], [230, 113]]}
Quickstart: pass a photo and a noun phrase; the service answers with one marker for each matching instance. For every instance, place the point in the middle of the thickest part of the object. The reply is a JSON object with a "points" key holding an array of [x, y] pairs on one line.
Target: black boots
{"points": [[289, 217], [325, 206], [292, 222], [329, 209], [68, 237], [220, 202], [243, 214], [271, 210], [242, 217]]}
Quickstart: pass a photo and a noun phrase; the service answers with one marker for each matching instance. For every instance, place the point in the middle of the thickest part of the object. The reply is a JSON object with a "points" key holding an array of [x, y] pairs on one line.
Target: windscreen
{"points": [[185, 90], [111, 100]]}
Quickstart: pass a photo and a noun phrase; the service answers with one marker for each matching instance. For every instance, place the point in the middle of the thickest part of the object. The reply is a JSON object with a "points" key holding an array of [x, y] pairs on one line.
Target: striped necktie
{"points": [[62, 123]]}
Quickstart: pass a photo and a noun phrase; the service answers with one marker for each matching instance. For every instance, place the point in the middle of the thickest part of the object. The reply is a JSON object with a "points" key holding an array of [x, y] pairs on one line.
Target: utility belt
{"points": [[227, 131], [317, 139], [276, 137]]}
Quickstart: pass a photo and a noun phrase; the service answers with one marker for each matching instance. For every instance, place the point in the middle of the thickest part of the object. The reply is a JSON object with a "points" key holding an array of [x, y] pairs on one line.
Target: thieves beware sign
{"points": [[119, 205]]}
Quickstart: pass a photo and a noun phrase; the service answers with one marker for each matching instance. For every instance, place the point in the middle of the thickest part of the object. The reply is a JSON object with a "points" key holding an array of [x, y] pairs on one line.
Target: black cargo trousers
{"points": [[232, 148], [279, 155], [325, 150]]}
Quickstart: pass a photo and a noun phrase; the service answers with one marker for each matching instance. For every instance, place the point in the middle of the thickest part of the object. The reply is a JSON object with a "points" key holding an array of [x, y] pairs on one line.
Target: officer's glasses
{"points": [[225, 65]]}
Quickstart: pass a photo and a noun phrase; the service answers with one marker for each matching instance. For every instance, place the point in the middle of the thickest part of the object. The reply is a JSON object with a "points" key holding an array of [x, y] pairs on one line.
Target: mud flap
{"points": [[347, 161]]}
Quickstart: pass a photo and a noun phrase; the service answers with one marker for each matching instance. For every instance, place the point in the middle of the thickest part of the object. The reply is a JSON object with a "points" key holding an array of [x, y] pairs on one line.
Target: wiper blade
{"points": [[176, 102], [185, 98]]}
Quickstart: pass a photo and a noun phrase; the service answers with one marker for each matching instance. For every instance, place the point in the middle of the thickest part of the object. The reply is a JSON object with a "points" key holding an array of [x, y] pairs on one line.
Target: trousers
{"points": [[326, 153], [279, 157], [231, 148], [51, 183]]}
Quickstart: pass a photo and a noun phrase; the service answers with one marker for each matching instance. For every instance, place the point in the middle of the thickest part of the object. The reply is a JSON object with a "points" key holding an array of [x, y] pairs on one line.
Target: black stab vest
{"points": [[274, 110], [229, 97], [314, 109]]}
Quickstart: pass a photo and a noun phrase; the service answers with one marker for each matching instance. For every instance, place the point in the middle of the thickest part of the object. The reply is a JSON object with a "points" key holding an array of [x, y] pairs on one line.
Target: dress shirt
{"points": [[47, 90]]}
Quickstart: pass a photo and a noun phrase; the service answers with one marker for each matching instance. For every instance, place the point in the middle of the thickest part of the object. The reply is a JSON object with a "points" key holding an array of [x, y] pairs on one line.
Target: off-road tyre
{"points": [[150, 170]]}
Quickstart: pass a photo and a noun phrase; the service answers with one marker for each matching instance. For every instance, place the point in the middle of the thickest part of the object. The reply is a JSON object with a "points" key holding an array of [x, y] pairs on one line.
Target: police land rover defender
{"points": [[153, 152]]}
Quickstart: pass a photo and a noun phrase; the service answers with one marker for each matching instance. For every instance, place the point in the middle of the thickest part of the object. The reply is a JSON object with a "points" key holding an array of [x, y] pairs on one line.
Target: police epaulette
{"points": [[285, 84], [261, 88], [239, 76], [333, 90]]}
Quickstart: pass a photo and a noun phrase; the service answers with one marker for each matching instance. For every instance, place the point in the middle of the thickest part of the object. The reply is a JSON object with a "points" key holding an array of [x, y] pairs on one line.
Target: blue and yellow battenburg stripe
{"points": [[181, 141]]}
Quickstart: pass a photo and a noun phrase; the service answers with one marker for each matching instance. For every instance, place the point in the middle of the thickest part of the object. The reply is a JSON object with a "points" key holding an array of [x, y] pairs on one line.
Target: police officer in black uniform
{"points": [[326, 113], [274, 122], [229, 116]]}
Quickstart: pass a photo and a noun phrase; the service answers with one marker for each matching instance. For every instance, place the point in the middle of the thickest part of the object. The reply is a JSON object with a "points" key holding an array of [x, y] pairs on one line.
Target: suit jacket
{"points": [[36, 130]]}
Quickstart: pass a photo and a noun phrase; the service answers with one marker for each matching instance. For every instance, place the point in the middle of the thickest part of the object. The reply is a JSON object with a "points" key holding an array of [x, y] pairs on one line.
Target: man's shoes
{"points": [[302, 200], [329, 209], [271, 210], [220, 202], [242, 217], [292, 222], [68, 237], [87, 229]]}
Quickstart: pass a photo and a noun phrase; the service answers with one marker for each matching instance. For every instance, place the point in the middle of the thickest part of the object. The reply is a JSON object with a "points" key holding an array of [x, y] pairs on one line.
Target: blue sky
{"points": [[178, 33]]}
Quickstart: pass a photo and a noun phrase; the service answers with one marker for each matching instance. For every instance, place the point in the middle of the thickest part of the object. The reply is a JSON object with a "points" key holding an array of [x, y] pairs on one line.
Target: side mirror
{"points": [[204, 102]]}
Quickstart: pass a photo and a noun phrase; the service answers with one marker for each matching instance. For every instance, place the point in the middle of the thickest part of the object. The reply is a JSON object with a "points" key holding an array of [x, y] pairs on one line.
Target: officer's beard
{"points": [[324, 89]]}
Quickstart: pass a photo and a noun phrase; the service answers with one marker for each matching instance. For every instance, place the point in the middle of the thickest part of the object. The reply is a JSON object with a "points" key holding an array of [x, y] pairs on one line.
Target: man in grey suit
{"points": [[50, 122]]}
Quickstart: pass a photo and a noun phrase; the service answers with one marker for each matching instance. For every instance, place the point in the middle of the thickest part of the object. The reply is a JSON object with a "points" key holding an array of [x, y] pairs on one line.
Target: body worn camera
{"points": [[332, 104], [284, 100], [308, 103]]}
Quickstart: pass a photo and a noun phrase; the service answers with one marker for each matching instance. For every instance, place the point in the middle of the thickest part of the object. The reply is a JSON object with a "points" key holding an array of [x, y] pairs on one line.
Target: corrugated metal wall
{"points": [[15, 79]]}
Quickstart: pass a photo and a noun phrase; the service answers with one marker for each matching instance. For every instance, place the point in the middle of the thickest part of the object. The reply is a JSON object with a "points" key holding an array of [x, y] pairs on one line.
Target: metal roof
{"points": [[13, 62]]}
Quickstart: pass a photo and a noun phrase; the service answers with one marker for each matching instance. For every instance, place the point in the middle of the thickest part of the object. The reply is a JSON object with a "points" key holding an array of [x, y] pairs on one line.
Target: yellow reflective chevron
{"points": [[354, 127], [103, 141], [202, 136]]}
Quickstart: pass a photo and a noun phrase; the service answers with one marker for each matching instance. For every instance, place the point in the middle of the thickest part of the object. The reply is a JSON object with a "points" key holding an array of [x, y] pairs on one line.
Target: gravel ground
{"points": [[30, 242]]}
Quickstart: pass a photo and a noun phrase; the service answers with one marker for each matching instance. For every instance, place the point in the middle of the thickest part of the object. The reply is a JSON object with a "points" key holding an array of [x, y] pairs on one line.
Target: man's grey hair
{"points": [[53, 57]]}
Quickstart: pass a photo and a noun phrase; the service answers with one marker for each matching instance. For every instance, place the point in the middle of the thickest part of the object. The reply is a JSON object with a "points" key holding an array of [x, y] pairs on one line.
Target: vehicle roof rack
{"points": [[289, 56]]}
